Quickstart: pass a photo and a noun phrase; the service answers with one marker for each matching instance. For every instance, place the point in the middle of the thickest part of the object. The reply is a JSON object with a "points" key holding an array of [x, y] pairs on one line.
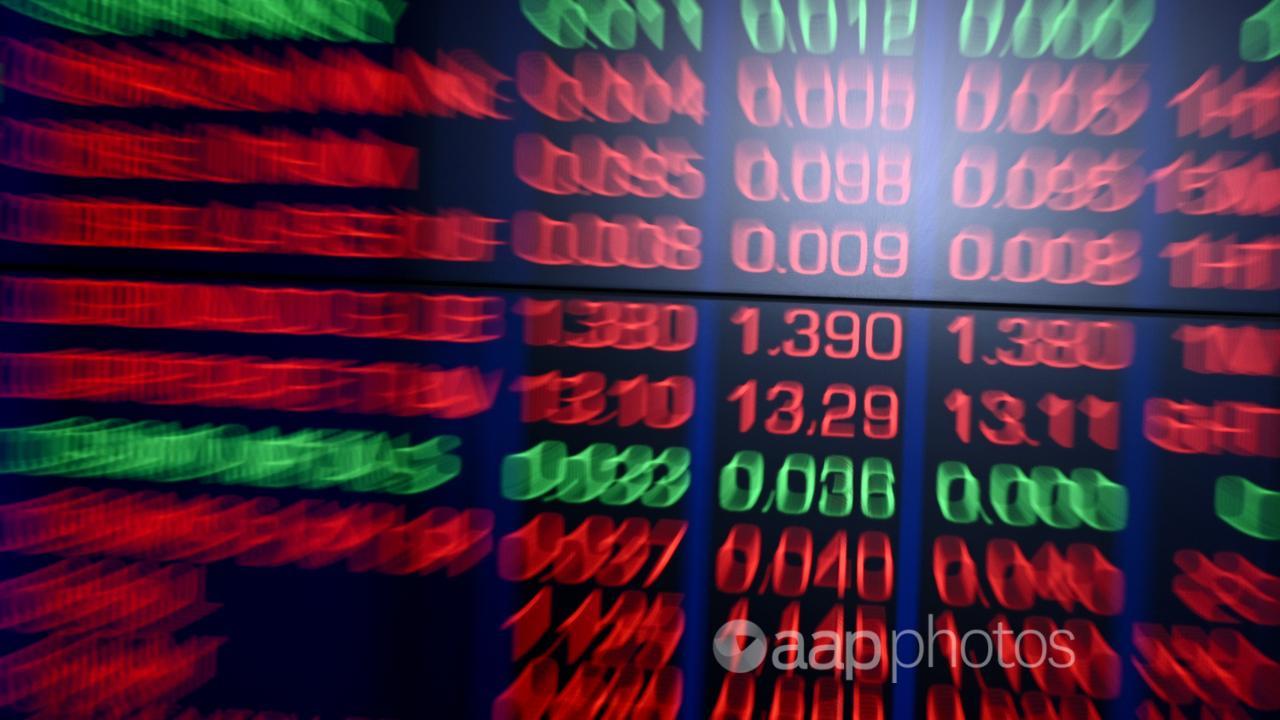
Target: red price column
{"points": [[809, 449]]}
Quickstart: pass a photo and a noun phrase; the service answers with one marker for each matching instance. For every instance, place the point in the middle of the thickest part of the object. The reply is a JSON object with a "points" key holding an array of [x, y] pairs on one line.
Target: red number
{"points": [[979, 97], [855, 94], [547, 88], [895, 336], [759, 94], [809, 165], [1027, 182], [1062, 419], [831, 425], [792, 569], [1104, 421], [874, 575], [793, 562], [755, 170], [1025, 340], [687, 182], [814, 74], [1210, 105], [880, 413], [810, 250], [897, 95], [893, 175], [976, 242], [670, 403], [745, 394], [809, 331], [1009, 410], [628, 167], [978, 163], [765, 248], [800, 230], [1037, 179], [582, 398], [890, 250], [738, 559], [788, 417], [1032, 104], [590, 240], [853, 173], [961, 403], [846, 230], [834, 335], [605, 92], [651, 96], [749, 319], [962, 328], [1077, 256]]}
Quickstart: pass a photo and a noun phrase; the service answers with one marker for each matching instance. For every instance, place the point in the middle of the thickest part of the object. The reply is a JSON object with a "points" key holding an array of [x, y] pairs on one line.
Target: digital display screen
{"points": [[871, 359]]}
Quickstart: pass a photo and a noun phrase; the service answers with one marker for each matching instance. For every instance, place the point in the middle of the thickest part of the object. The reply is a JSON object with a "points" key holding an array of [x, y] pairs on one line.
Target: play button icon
{"points": [[739, 646]]}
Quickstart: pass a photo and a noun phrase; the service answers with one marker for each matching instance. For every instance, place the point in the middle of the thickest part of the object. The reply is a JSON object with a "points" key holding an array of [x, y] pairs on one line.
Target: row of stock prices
{"points": [[787, 359]]}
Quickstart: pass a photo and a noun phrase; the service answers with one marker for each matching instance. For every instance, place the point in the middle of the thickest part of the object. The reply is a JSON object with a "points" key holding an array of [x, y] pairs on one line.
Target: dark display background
{"points": [[331, 643]]}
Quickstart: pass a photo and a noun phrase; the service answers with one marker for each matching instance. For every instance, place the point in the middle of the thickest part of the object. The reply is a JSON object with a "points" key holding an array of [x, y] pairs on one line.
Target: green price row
{"points": [[819, 24], [798, 480], [600, 473], [1069, 29], [1047, 495], [155, 451], [614, 23], [368, 21]]}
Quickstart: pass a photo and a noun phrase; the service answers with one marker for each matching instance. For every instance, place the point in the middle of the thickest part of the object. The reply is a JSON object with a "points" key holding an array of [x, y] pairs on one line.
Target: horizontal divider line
{"points": [[384, 283]]}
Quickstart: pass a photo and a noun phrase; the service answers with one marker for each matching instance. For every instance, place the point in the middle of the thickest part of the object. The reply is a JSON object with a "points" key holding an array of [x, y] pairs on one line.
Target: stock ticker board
{"points": [[791, 359]]}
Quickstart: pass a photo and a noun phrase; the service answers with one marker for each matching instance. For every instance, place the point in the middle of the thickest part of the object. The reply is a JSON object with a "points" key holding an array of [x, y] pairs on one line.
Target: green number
{"points": [[1121, 27], [980, 26], [652, 20], [836, 498], [690, 14], [534, 472], [968, 506], [1048, 496], [613, 21], [1075, 29], [1034, 27], [858, 18], [899, 26], [668, 489], [877, 488], [789, 501], [563, 22], [765, 23], [1260, 34], [1054, 497], [637, 461], [341, 461], [1101, 504], [443, 466], [822, 14], [733, 496], [585, 477], [1011, 495]]}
